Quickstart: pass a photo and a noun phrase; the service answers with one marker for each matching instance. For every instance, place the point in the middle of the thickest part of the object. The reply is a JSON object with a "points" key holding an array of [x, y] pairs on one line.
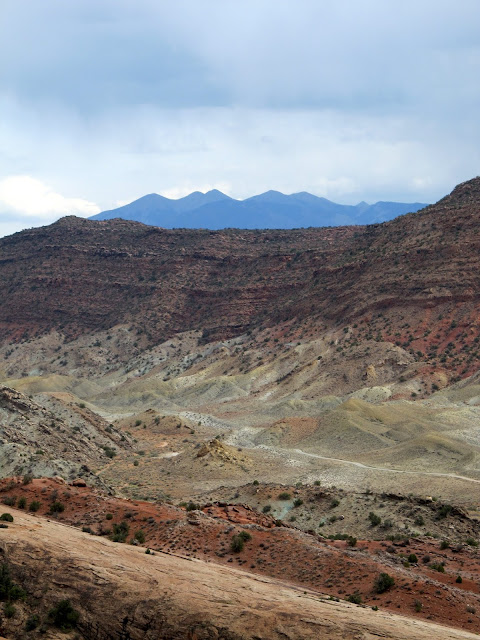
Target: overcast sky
{"points": [[103, 101]]}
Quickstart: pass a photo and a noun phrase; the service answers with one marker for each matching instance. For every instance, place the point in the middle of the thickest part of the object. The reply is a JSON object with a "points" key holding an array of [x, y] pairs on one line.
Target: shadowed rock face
{"points": [[120, 592]]}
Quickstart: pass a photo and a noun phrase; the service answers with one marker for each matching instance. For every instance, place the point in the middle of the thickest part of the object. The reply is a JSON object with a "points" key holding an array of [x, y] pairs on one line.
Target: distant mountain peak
{"points": [[269, 210]]}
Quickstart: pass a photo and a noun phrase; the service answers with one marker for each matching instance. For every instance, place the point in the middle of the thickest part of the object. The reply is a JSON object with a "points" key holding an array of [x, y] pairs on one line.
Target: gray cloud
{"points": [[352, 99]]}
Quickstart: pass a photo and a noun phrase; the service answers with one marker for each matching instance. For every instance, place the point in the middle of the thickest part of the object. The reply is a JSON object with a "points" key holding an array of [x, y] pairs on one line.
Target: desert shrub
{"points": [[459, 580], [419, 521], [298, 502], [418, 606], [356, 598], [87, 529], [383, 582], [426, 559], [267, 508], [138, 423], [471, 542], [237, 544], [387, 524], [317, 483], [64, 615], [57, 507], [120, 531], [444, 511], [109, 516], [109, 452], [412, 558], [374, 519], [34, 506], [191, 506], [27, 478], [140, 536], [244, 535], [9, 610], [284, 496], [22, 503], [32, 622], [438, 566], [8, 589], [334, 503], [255, 483], [9, 501], [6, 517], [136, 463], [444, 544], [351, 541]]}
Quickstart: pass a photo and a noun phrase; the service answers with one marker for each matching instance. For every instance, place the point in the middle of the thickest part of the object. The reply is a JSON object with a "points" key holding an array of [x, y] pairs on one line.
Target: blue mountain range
{"points": [[270, 210]]}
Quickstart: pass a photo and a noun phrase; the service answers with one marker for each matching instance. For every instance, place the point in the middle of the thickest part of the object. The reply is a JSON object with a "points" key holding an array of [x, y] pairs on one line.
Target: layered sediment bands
{"points": [[78, 276]]}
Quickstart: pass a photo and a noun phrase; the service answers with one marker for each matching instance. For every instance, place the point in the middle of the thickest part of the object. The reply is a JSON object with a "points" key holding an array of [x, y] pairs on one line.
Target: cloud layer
{"points": [[352, 99]]}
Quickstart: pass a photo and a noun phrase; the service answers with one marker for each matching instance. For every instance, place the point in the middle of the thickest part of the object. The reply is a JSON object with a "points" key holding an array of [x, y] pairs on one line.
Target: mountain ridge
{"points": [[269, 210]]}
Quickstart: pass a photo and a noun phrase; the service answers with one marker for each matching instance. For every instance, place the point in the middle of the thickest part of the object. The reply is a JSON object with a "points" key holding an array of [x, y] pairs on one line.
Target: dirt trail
{"points": [[437, 474]]}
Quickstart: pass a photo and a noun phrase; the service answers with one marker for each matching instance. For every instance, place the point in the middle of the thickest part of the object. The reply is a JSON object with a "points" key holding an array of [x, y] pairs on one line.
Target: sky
{"points": [[104, 101]]}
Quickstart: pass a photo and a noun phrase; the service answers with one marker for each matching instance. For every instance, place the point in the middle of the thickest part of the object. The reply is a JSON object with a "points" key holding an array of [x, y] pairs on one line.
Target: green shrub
{"points": [[6, 517], [383, 582], [22, 503], [298, 502], [27, 478], [255, 483], [419, 521], [267, 508], [471, 542], [444, 544], [140, 536], [459, 580], [412, 558], [32, 622], [374, 519], [120, 531], [356, 598], [237, 544], [244, 535], [64, 615], [9, 610], [8, 589], [57, 507], [351, 541], [438, 566], [444, 511], [334, 503], [34, 506], [284, 496], [109, 516], [9, 501]]}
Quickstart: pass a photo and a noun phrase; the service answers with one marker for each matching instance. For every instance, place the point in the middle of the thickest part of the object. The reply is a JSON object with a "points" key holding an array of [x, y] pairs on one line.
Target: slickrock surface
{"points": [[119, 590]]}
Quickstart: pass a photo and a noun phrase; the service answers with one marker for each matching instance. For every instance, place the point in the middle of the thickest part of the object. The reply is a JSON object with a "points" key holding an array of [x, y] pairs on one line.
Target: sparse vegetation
{"points": [[64, 616], [383, 583]]}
